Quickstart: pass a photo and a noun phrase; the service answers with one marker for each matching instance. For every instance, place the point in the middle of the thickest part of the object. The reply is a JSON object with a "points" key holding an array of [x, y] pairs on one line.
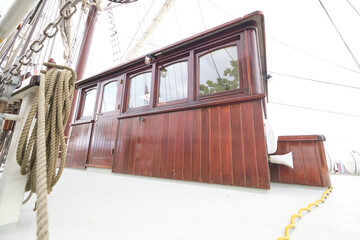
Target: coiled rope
{"points": [[37, 155]]}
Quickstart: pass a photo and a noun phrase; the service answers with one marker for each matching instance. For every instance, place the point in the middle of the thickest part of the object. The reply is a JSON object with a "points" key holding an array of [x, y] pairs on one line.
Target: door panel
{"points": [[103, 141], [103, 136]]}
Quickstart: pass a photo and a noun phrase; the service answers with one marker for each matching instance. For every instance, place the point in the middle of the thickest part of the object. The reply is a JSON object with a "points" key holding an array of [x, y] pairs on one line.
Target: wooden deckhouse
{"points": [[194, 112]]}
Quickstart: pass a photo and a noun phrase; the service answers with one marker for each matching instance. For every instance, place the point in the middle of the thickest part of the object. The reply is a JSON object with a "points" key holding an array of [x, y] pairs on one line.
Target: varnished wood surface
{"points": [[222, 144], [103, 141], [302, 138], [310, 167], [78, 146]]}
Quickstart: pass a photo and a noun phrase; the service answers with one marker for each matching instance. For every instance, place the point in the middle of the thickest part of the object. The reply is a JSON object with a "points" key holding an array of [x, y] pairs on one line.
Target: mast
{"points": [[83, 56]]}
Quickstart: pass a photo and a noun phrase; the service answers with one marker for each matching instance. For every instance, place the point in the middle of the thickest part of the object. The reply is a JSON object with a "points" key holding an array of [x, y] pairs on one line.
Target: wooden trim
{"points": [[101, 96], [157, 81], [81, 122], [147, 69], [297, 138], [211, 48], [194, 105], [81, 101], [252, 20], [98, 166]]}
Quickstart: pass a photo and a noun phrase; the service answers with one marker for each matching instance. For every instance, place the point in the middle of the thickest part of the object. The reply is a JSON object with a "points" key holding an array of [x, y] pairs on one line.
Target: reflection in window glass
{"points": [[89, 103], [109, 97], [173, 82], [219, 71], [139, 94]]}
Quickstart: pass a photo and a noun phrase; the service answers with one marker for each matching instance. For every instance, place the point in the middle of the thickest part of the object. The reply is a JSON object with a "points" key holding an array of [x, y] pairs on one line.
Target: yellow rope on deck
{"points": [[298, 215]]}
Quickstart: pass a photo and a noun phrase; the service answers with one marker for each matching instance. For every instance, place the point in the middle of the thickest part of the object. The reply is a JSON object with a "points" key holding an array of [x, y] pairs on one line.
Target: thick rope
{"points": [[41, 185], [37, 153]]}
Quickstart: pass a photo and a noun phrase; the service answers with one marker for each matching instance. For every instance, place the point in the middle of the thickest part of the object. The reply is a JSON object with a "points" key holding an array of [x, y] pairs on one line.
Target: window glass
{"points": [[173, 82], [109, 97], [139, 93], [219, 71], [89, 103]]}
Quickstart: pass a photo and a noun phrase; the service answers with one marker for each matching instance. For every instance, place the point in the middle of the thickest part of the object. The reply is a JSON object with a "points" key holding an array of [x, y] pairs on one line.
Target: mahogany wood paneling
{"points": [[310, 166], [103, 141], [222, 144], [78, 146]]}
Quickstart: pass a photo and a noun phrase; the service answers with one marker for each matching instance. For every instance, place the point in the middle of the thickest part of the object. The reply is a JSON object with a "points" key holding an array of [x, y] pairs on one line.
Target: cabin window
{"points": [[109, 97], [173, 82], [219, 71], [139, 91], [89, 103]]}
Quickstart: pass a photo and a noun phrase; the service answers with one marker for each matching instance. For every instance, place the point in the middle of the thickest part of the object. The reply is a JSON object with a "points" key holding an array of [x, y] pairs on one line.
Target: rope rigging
{"points": [[337, 30]]}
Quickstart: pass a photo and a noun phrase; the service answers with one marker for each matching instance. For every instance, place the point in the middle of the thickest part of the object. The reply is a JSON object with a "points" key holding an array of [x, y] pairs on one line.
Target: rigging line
{"points": [[201, 14], [313, 80], [353, 56], [353, 7], [229, 54], [221, 9], [315, 109], [79, 38], [177, 21], [314, 56], [139, 26], [322, 59], [212, 58], [148, 23]]}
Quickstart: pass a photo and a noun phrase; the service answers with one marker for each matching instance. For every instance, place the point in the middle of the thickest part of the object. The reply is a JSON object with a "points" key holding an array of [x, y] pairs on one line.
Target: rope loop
{"points": [[38, 147]]}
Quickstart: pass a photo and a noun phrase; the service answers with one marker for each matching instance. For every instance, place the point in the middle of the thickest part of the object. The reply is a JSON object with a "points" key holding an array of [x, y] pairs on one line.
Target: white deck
{"points": [[101, 205]]}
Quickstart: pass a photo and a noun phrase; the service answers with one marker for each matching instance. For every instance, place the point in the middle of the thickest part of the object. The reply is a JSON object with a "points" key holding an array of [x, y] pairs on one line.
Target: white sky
{"points": [[300, 24]]}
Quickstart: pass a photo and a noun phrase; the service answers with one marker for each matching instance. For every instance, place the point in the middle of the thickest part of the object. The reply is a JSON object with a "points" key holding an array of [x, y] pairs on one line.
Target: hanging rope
{"points": [[37, 155]]}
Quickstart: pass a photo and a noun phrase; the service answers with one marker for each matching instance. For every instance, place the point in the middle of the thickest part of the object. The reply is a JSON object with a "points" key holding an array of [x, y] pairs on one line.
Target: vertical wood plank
{"points": [[179, 145], [138, 146], [237, 145], [225, 143], [249, 145], [285, 172], [132, 147], [261, 153], [298, 171], [78, 146], [205, 145], [150, 145], [159, 124], [188, 129], [322, 164], [144, 146], [215, 160], [120, 151], [196, 146], [127, 138], [171, 145], [311, 168], [164, 145], [274, 172]]}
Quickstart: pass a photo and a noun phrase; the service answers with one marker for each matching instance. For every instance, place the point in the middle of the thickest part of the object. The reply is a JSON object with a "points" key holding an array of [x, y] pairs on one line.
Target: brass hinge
{"points": [[113, 151], [118, 107], [121, 81]]}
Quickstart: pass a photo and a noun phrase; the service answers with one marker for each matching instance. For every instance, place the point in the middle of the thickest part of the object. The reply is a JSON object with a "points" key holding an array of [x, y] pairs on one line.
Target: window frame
{"points": [[157, 87], [101, 99], [82, 103], [210, 49], [127, 90]]}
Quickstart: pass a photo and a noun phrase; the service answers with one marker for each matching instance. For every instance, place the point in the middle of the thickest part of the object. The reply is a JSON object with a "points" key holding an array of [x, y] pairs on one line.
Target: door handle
{"points": [[97, 114]]}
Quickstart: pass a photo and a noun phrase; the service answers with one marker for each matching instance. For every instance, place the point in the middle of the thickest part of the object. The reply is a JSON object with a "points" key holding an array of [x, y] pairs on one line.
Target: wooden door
{"points": [[103, 135]]}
